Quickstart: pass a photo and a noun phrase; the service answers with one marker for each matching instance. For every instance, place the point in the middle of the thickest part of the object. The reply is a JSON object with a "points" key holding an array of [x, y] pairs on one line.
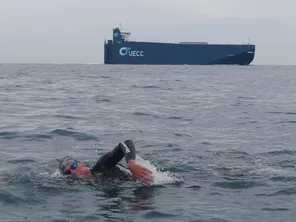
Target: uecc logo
{"points": [[127, 51]]}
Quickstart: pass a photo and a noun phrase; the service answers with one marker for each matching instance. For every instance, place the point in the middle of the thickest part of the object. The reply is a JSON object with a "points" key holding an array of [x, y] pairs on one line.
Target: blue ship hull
{"points": [[121, 51]]}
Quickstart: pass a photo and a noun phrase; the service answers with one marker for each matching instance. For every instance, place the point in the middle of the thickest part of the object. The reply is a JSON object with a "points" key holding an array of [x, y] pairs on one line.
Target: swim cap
{"points": [[64, 162]]}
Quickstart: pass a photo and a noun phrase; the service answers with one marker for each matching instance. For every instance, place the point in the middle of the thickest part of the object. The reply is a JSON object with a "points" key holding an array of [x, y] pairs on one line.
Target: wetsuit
{"points": [[107, 163]]}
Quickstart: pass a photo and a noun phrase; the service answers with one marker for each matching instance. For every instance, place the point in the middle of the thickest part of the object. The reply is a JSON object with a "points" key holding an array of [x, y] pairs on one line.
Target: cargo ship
{"points": [[120, 50]]}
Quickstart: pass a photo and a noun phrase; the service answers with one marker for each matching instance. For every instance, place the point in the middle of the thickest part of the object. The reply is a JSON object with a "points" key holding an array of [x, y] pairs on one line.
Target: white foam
{"points": [[160, 177], [56, 173]]}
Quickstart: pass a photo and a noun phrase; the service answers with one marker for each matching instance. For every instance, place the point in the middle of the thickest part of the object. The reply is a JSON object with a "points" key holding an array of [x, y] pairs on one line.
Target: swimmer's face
{"points": [[77, 169]]}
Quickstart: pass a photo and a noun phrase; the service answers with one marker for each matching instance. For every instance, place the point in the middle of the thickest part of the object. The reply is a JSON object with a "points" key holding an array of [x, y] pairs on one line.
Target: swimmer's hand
{"points": [[140, 172]]}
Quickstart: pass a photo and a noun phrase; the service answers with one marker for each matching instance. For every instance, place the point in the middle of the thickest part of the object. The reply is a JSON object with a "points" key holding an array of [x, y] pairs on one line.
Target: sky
{"points": [[73, 31]]}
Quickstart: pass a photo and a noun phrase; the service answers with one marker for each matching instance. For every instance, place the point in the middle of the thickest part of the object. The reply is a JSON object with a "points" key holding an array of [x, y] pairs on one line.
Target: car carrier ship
{"points": [[120, 50]]}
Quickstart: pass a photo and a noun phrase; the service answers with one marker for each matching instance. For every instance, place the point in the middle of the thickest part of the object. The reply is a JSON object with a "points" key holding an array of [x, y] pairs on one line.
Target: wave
{"points": [[73, 134], [38, 137], [286, 121], [238, 184], [287, 191], [160, 178], [145, 114], [179, 118], [147, 87], [280, 152], [9, 135], [285, 113], [275, 209]]}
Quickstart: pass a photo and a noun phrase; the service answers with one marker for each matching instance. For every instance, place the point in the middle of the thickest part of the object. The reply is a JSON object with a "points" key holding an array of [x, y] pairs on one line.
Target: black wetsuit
{"points": [[107, 163]]}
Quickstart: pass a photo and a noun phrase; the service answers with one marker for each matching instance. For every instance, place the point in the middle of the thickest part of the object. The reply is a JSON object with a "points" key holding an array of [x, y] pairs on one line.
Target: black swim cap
{"points": [[64, 162]]}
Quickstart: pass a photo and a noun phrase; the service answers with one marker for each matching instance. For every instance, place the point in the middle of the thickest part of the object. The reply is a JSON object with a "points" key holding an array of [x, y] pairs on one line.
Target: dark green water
{"points": [[220, 140]]}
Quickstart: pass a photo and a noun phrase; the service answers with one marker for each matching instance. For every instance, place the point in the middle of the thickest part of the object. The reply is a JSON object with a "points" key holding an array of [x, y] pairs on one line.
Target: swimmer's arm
{"points": [[109, 160], [124, 149]]}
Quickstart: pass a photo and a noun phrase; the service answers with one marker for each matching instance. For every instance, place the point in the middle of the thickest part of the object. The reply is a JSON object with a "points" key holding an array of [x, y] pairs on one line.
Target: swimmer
{"points": [[108, 164]]}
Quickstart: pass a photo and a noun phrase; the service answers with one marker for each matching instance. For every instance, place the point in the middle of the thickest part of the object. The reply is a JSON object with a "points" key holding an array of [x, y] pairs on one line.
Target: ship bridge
{"points": [[119, 36]]}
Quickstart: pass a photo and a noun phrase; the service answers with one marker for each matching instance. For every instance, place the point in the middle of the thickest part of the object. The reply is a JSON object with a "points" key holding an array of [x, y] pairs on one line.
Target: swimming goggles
{"points": [[73, 167]]}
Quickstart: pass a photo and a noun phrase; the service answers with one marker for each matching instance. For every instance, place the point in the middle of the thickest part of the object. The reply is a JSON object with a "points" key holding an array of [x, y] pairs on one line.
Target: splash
{"points": [[160, 177], [56, 174]]}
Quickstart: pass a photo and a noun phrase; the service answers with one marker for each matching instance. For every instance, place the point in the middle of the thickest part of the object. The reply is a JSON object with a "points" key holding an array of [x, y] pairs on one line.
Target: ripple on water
{"points": [[239, 184], [75, 135], [145, 114], [158, 214], [9, 198], [275, 209], [9, 135], [283, 192], [280, 152]]}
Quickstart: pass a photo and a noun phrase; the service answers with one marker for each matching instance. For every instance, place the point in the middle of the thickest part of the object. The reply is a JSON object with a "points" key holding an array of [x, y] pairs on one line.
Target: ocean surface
{"points": [[221, 141]]}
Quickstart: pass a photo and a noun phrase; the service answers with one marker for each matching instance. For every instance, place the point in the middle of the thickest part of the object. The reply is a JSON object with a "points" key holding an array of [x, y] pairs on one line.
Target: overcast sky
{"points": [[73, 31]]}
